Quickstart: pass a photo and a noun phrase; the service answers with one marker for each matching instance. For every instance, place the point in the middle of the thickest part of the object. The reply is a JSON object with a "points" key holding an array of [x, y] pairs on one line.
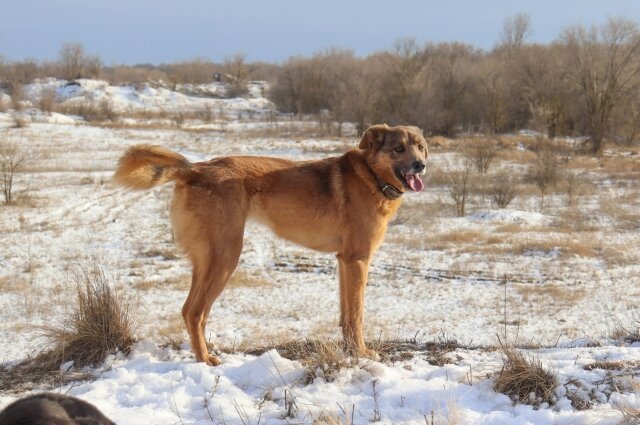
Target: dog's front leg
{"points": [[353, 281]]}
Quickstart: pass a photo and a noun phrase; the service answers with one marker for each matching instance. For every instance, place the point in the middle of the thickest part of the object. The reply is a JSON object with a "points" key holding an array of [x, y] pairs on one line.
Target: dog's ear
{"points": [[373, 136]]}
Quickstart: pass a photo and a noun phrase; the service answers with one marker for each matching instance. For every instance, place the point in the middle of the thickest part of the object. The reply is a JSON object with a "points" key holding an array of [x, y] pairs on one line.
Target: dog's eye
{"points": [[421, 147], [399, 149]]}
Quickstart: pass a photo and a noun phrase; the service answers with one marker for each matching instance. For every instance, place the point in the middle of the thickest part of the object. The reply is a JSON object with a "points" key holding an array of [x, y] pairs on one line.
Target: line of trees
{"points": [[585, 83]]}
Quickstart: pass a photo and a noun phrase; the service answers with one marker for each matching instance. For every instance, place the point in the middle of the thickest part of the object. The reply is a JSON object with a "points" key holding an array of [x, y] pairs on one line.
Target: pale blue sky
{"points": [[157, 31]]}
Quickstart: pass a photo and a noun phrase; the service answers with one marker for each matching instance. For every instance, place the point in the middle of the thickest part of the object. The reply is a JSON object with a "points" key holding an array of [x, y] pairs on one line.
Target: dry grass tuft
{"points": [[324, 358], [20, 121], [611, 365], [332, 419], [457, 237], [33, 371], [436, 352], [99, 324], [167, 254], [524, 380], [558, 293], [628, 333], [173, 332], [14, 283]]}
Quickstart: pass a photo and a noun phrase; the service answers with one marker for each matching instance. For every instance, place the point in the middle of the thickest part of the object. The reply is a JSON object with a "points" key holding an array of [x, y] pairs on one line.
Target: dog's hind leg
{"points": [[211, 271]]}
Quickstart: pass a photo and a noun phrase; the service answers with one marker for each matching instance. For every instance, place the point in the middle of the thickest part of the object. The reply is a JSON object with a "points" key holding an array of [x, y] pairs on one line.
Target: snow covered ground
{"points": [[148, 97], [564, 277]]}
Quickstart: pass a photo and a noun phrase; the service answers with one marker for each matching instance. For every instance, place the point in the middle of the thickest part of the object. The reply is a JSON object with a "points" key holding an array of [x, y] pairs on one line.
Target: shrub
{"points": [[47, 101], [12, 159], [503, 189], [178, 119], [17, 96], [20, 121], [92, 111], [544, 171], [459, 183], [573, 187], [481, 153]]}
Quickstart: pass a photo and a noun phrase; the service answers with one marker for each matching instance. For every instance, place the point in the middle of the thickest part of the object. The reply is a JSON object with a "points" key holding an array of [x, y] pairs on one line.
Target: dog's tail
{"points": [[145, 166]]}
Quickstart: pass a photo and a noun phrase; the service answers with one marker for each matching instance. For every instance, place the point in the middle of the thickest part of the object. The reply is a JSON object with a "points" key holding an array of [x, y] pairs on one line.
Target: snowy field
{"points": [[561, 278]]}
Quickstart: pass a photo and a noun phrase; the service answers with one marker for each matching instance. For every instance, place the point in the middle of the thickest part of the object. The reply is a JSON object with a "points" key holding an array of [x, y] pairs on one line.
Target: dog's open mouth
{"points": [[413, 181]]}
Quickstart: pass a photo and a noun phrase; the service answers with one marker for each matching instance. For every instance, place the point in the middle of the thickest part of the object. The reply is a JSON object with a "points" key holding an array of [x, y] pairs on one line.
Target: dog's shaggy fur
{"points": [[52, 409], [340, 204]]}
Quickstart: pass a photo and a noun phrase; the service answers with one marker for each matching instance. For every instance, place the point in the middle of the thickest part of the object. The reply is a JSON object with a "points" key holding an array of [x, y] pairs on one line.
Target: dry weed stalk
{"points": [[630, 414]]}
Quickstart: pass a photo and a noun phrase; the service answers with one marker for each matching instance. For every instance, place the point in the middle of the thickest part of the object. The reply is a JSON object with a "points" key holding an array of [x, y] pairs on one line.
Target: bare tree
{"points": [[237, 73], [604, 66], [403, 77], [449, 72], [628, 121], [515, 30], [301, 87], [359, 99], [195, 71], [92, 66], [12, 159], [72, 56], [496, 92], [341, 66], [542, 77]]}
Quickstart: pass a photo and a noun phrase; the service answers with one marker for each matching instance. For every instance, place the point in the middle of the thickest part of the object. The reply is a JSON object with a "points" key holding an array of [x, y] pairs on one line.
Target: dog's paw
{"points": [[213, 360], [369, 354]]}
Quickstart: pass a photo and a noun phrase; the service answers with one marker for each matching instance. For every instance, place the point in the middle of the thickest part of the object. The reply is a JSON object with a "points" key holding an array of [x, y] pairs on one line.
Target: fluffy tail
{"points": [[146, 166]]}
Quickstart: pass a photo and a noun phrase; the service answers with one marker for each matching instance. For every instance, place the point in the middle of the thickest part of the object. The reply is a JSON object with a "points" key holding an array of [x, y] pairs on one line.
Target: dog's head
{"points": [[397, 155]]}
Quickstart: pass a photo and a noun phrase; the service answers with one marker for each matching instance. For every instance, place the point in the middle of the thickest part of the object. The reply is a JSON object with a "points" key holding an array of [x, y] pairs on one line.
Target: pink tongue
{"points": [[414, 182]]}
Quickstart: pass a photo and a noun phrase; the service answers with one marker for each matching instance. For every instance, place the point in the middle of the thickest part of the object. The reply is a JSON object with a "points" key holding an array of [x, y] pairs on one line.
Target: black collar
{"points": [[390, 191]]}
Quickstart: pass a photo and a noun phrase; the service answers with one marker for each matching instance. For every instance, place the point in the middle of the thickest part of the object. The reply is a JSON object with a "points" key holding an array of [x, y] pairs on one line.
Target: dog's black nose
{"points": [[419, 166]]}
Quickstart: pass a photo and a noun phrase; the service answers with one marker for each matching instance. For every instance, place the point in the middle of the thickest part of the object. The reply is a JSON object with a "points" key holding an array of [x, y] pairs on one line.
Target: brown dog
{"points": [[340, 204]]}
